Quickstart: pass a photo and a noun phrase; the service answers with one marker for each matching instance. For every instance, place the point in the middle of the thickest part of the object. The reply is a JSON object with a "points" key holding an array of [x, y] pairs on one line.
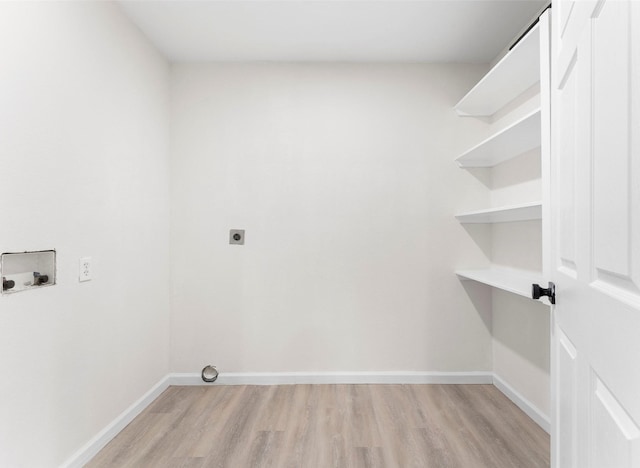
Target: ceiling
{"points": [[466, 31]]}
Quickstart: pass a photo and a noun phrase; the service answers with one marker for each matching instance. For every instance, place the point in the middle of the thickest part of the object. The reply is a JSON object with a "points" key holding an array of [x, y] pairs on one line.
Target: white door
{"points": [[595, 209]]}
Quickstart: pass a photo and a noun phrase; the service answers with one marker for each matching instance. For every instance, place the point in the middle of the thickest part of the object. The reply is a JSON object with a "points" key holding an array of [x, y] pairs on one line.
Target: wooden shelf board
{"points": [[521, 136], [505, 214], [514, 73], [511, 280]]}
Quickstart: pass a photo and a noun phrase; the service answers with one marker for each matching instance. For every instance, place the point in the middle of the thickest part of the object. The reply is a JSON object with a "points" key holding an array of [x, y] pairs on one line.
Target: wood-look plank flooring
{"points": [[323, 426]]}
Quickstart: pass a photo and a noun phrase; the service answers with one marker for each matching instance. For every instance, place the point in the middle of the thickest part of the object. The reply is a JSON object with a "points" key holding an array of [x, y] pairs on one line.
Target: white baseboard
{"points": [[291, 378], [521, 402], [91, 448]]}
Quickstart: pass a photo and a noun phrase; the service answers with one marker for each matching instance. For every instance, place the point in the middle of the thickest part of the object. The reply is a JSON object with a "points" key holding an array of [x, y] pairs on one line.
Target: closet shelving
{"points": [[512, 76], [506, 214], [508, 279], [521, 136]]}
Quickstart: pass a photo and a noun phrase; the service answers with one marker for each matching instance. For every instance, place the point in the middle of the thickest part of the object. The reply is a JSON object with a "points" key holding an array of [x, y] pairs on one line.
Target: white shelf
{"points": [[514, 73], [505, 214], [511, 280], [521, 136]]}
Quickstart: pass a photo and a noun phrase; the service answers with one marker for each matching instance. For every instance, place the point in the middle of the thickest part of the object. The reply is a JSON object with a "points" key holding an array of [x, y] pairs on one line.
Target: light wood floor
{"points": [[309, 426]]}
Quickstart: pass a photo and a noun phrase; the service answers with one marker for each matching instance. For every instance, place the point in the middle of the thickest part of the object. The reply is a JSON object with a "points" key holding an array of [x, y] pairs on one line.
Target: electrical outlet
{"points": [[236, 236], [85, 269]]}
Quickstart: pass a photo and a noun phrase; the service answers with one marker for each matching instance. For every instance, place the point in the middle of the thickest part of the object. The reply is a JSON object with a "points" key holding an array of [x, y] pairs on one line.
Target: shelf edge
{"points": [[531, 37], [488, 162], [492, 277], [502, 210]]}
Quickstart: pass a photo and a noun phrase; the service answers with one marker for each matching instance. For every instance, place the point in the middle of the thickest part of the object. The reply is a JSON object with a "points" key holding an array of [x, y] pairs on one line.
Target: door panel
{"points": [[595, 224], [611, 145], [564, 13], [566, 174], [615, 438], [568, 398]]}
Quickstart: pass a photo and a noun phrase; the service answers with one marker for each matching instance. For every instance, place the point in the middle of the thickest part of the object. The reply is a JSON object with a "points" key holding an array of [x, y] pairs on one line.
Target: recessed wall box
{"points": [[24, 271]]}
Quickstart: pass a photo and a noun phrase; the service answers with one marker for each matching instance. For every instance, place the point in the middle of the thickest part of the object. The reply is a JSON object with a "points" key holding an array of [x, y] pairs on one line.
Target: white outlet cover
{"points": [[85, 269]]}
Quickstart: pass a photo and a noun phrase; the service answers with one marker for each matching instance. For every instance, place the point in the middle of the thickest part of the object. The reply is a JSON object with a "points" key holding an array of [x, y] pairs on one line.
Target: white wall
{"points": [[521, 347], [343, 177], [84, 170], [521, 334]]}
